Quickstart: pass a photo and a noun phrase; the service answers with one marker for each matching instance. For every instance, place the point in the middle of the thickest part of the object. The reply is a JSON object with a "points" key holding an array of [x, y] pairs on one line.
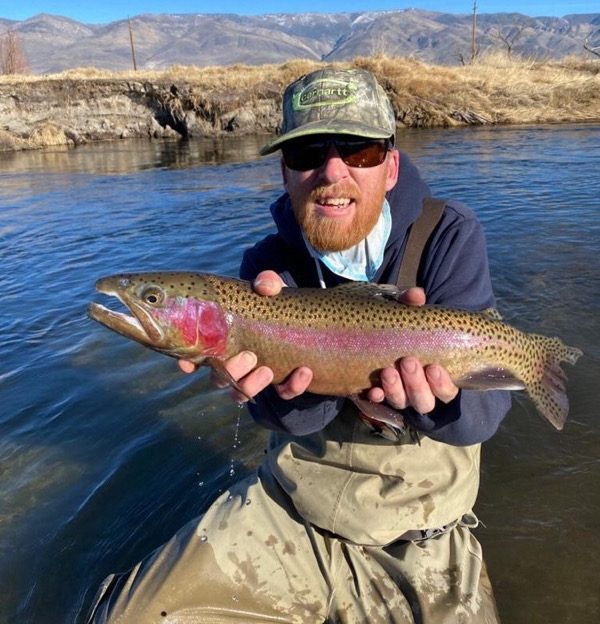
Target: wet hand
{"points": [[413, 385], [410, 384]]}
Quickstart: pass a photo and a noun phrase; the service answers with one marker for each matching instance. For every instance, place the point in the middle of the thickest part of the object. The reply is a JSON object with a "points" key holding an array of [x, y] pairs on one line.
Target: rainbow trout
{"points": [[346, 334]]}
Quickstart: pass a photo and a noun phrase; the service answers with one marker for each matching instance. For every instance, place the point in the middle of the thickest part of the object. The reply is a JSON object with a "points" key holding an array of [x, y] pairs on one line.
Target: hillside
{"points": [[52, 43]]}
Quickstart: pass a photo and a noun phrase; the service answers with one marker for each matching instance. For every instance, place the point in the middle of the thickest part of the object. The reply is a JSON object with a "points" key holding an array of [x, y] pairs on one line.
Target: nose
{"points": [[334, 168]]}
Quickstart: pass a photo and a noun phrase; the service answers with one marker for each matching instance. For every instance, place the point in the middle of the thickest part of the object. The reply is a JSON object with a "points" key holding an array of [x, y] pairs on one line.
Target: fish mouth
{"points": [[138, 325]]}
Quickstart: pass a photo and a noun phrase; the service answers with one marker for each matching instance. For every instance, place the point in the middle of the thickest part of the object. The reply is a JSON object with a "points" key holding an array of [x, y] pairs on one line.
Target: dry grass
{"points": [[46, 134], [495, 89], [212, 78]]}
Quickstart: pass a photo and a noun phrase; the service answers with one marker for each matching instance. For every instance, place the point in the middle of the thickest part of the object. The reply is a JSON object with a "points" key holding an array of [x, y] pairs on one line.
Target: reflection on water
{"points": [[133, 155], [106, 449]]}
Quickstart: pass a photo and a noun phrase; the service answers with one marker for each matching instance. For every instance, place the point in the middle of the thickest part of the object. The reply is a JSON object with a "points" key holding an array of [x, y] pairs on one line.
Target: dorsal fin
{"points": [[370, 290]]}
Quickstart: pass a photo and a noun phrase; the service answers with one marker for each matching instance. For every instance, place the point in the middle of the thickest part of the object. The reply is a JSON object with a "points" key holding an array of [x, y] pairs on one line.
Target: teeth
{"points": [[335, 201]]}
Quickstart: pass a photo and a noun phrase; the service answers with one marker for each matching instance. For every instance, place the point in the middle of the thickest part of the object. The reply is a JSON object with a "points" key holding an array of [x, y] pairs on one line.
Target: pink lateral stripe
{"points": [[359, 341]]}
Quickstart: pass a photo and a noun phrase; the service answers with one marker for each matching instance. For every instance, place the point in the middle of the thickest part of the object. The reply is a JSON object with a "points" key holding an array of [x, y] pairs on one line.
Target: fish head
{"points": [[174, 313]]}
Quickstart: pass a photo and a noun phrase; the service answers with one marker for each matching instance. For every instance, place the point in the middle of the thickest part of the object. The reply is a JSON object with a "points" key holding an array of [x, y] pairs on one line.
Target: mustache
{"points": [[334, 190]]}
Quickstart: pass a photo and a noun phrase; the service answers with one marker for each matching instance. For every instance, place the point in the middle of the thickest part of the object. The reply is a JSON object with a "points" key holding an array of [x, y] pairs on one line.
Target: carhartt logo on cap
{"points": [[325, 92]]}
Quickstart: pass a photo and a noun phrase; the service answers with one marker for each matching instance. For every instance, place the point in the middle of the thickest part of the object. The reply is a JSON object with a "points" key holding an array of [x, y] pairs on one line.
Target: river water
{"points": [[106, 449]]}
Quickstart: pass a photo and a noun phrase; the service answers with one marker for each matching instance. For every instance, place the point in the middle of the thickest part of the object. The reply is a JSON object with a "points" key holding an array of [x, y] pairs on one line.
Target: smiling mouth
{"points": [[334, 202], [333, 206]]}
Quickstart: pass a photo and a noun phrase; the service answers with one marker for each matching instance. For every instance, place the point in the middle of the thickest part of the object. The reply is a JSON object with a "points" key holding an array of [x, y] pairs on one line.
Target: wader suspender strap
{"points": [[420, 232]]}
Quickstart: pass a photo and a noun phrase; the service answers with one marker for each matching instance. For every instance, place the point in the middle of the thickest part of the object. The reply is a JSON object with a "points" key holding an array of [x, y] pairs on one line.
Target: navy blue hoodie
{"points": [[454, 272]]}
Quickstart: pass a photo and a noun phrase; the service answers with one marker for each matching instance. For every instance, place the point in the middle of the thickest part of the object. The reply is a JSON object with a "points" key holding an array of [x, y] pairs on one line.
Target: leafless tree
{"points": [[12, 57], [593, 49], [508, 38]]}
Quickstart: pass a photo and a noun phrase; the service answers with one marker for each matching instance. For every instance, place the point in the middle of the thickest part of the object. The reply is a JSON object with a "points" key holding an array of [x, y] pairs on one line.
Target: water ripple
{"points": [[104, 443]]}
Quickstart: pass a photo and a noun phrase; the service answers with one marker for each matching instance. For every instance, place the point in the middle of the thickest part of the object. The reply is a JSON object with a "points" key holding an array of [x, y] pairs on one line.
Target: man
{"points": [[347, 520]]}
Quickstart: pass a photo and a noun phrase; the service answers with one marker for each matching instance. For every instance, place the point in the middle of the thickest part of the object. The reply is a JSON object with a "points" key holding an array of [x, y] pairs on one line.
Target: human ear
{"points": [[392, 169]]}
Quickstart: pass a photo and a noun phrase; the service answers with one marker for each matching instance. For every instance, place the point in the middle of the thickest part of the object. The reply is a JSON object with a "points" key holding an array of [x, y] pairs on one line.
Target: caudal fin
{"points": [[547, 383]]}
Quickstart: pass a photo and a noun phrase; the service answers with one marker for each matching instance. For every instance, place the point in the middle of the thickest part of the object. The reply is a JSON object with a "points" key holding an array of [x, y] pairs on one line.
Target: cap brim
{"points": [[325, 127]]}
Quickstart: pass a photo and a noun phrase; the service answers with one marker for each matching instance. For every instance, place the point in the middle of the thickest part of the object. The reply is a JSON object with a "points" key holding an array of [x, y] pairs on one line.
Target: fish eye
{"points": [[152, 295]]}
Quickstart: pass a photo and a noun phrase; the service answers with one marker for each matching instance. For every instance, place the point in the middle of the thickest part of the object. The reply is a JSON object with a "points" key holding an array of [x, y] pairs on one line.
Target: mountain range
{"points": [[53, 43]]}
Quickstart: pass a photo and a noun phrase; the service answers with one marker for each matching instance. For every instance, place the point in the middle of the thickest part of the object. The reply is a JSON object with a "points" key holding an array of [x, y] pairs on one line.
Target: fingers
{"points": [[391, 390], [268, 283], [250, 380], [238, 366], [413, 296], [186, 366], [440, 383], [412, 385], [406, 386], [242, 369], [253, 380], [253, 383], [418, 392], [296, 383]]}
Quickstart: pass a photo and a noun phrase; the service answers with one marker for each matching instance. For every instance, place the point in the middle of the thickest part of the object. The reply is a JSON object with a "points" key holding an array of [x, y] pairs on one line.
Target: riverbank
{"points": [[81, 106]]}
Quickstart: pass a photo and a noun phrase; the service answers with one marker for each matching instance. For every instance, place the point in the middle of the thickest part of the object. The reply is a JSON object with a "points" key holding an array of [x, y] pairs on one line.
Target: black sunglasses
{"points": [[311, 152]]}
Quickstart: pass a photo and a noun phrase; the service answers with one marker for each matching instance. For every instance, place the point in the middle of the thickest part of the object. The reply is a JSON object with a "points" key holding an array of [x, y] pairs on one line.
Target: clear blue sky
{"points": [[102, 11]]}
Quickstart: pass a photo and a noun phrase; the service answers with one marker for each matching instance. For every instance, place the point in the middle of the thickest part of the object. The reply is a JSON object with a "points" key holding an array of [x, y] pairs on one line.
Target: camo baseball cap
{"points": [[335, 101]]}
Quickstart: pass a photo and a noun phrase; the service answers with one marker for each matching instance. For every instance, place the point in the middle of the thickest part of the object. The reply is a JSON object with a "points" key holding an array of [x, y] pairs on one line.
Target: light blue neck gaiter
{"points": [[361, 262]]}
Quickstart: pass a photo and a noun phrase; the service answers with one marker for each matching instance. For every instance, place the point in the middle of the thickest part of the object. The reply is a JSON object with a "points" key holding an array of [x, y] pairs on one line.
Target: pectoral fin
{"points": [[223, 374]]}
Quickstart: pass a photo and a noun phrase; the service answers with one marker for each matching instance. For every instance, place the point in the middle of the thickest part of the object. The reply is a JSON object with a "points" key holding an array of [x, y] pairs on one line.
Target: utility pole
{"points": [[473, 29], [131, 42]]}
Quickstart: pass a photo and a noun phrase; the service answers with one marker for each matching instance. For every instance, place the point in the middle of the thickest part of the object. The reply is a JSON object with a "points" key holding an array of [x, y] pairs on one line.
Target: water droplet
{"points": [[200, 483], [235, 444], [203, 538]]}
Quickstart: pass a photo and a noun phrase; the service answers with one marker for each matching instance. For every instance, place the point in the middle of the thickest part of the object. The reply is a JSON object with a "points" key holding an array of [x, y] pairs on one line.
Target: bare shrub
{"points": [[12, 57]]}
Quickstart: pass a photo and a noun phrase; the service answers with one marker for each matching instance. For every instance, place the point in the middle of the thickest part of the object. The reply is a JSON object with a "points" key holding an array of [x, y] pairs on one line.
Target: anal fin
{"points": [[490, 379]]}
